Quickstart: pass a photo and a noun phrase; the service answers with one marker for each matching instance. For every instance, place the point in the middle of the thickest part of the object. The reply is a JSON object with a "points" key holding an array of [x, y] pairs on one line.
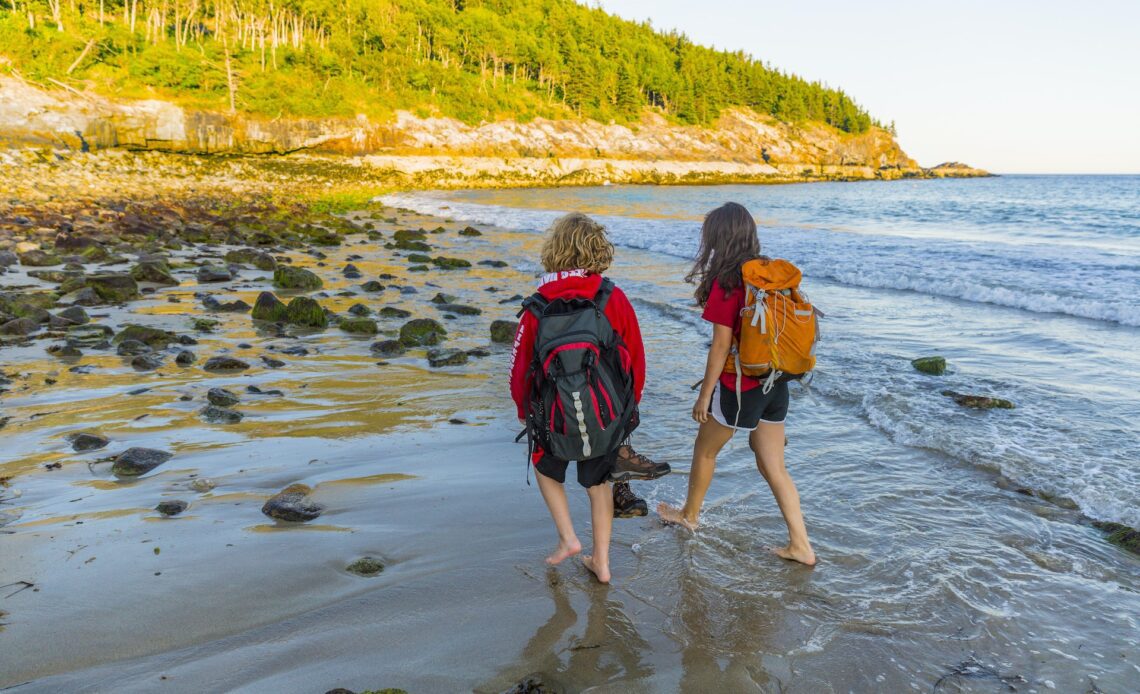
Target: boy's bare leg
{"points": [[768, 444], [710, 439], [601, 520], [555, 496]]}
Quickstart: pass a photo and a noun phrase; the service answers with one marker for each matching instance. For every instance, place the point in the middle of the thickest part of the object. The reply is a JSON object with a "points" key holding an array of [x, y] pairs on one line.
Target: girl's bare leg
{"points": [[555, 496], [601, 521], [767, 442], [710, 439]]}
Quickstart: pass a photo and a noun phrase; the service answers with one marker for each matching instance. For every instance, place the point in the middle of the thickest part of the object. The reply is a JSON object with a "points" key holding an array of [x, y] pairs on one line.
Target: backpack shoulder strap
{"points": [[604, 293], [535, 303]]}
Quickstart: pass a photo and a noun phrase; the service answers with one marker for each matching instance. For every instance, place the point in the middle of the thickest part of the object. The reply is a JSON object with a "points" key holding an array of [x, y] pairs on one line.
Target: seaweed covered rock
{"points": [[19, 327], [154, 272], [225, 364], [365, 566], [289, 277], [359, 326], [139, 461], [441, 298], [151, 337], [450, 263], [503, 331], [1120, 535], [220, 415], [39, 258], [388, 348], [87, 441], [979, 402], [171, 507], [213, 273], [393, 312], [470, 231], [306, 312], [269, 308], [221, 397], [113, 287], [422, 332], [446, 357], [460, 309], [292, 504], [935, 366]]}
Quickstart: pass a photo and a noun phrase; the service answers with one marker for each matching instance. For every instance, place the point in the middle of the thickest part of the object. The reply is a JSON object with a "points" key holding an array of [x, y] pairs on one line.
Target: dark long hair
{"points": [[728, 240]]}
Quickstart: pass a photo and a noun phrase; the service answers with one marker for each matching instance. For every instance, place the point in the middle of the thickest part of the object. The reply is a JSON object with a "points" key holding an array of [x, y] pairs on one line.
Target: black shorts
{"points": [[756, 407], [591, 472]]}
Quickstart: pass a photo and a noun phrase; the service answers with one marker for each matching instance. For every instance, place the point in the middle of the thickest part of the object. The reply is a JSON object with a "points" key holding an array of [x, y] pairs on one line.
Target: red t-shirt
{"points": [[723, 308]]}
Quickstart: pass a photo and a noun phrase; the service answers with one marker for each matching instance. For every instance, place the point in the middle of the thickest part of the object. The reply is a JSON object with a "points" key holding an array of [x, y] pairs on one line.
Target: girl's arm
{"points": [[714, 367]]}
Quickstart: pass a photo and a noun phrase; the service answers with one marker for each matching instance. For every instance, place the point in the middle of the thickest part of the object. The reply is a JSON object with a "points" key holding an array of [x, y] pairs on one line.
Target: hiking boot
{"points": [[631, 465], [626, 503]]}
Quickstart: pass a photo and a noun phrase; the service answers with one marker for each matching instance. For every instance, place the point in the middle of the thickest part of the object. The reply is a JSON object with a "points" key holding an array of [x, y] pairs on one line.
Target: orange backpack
{"points": [[779, 326]]}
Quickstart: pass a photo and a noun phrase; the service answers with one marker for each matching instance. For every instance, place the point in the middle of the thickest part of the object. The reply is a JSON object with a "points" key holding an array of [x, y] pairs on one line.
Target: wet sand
{"points": [[415, 466]]}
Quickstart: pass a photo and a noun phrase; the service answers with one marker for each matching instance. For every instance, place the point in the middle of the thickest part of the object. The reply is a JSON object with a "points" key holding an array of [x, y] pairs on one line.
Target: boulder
{"points": [[154, 272], [76, 315], [418, 258], [151, 337], [359, 310], [139, 461], [220, 415], [87, 441], [269, 308], [146, 362], [92, 336], [54, 276], [19, 326], [204, 325], [935, 366], [292, 504], [8, 259], [306, 312], [979, 402], [249, 256], [422, 332], [359, 326], [388, 348], [39, 258], [460, 309], [225, 364], [185, 358], [113, 287], [446, 357], [289, 277], [418, 246], [365, 566], [409, 235], [470, 231], [372, 286], [172, 507], [351, 272], [221, 397], [503, 331], [213, 273], [86, 297]]}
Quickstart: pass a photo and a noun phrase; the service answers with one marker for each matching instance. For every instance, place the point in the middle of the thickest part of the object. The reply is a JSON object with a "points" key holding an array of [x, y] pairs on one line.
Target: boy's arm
{"points": [[521, 355], [630, 332]]}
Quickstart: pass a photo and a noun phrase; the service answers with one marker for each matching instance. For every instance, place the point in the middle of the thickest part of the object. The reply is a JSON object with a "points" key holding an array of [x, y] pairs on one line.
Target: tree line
{"points": [[470, 59]]}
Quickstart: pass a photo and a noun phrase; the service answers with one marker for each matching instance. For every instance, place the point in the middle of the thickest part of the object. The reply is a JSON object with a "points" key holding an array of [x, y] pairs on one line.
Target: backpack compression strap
{"points": [[603, 296], [535, 303]]}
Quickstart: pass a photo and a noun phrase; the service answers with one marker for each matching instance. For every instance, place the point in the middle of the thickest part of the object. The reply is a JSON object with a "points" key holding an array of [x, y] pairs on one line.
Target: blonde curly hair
{"points": [[576, 241]]}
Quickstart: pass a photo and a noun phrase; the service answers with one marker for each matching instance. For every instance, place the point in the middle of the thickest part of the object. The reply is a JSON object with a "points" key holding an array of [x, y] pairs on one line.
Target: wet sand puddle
{"points": [[932, 576]]}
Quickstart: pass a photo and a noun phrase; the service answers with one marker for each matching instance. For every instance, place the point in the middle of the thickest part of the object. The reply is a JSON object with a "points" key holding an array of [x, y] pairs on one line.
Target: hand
{"points": [[701, 408], [522, 422]]}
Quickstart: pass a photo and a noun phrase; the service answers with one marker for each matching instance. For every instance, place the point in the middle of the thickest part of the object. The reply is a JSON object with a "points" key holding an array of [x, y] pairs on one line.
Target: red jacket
{"points": [[576, 284]]}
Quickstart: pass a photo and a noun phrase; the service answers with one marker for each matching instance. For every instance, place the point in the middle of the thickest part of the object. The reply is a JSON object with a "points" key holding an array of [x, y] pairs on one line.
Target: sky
{"points": [[1006, 85]]}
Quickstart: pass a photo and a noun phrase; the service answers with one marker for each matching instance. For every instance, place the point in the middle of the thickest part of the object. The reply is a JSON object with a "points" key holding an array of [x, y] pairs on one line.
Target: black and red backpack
{"points": [[581, 403]]}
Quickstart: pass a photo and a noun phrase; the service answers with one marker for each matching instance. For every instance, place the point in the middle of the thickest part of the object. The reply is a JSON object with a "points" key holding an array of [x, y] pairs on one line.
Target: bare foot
{"points": [[803, 556], [564, 550], [602, 573], [672, 515]]}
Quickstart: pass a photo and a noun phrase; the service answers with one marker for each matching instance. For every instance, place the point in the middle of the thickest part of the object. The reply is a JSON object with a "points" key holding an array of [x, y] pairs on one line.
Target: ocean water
{"points": [[1029, 285]]}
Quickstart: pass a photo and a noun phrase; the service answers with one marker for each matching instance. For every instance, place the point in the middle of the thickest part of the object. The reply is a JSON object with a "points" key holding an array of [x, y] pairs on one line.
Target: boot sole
{"points": [[631, 514], [636, 476]]}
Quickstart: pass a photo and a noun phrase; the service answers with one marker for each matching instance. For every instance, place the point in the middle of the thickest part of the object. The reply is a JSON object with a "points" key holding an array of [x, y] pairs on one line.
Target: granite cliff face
{"points": [[743, 145]]}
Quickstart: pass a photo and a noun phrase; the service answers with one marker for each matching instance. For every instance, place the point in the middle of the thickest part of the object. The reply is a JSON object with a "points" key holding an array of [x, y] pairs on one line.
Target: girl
{"points": [[728, 240], [575, 254]]}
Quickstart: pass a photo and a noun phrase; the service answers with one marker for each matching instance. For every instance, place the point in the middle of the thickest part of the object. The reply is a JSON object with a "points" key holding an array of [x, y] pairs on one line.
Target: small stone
{"points": [[272, 363], [19, 326], [365, 566], [146, 362], [292, 504], [422, 332], [493, 263], [979, 402], [202, 484], [213, 273], [154, 272], [393, 312], [460, 309], [171, 508], [151, 337], [64, 351], [128, 348], [470, 231], [250, 256], [441, 298], [372, 286], [76, 315], [935, 366], [38, 258], [220, 415], [450, 263], [222, 397], [138, 461], [296, 351], [87, 441], [225, 364], [351, 272], [359, 310], [185, 358]]}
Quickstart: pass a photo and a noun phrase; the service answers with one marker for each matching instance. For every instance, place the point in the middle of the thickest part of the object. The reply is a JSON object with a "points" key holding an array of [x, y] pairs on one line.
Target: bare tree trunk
{"points": [[230, 76]]}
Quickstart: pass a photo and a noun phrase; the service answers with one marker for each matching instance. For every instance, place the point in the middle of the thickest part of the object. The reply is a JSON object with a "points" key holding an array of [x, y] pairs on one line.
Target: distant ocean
{"points": [[1029, 285]]}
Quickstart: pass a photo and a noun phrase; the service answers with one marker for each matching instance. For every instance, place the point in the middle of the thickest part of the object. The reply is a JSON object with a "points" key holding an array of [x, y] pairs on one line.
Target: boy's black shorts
{"points": [[591, 472]]}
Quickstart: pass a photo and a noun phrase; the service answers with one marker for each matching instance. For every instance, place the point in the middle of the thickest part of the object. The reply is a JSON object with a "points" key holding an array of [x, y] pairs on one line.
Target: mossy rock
{"points": [[154, 272], [409, 235], [365, 566], [269, 308], [422, 332], [151, 337], [450, 263], [460, 309], [1120, 535], [38, 258], [419, 246], [306, 312], [935, 366], [372, 286], [418, 268], [979, 402], [359, 326], [113, 287], [388, 348], [503, 331], [446, 357], [289, 277], [205, 325], [441, 298], [54, 276], [393, 312], [470, 231], [139, 461], [419, 258], [250, 256]]}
